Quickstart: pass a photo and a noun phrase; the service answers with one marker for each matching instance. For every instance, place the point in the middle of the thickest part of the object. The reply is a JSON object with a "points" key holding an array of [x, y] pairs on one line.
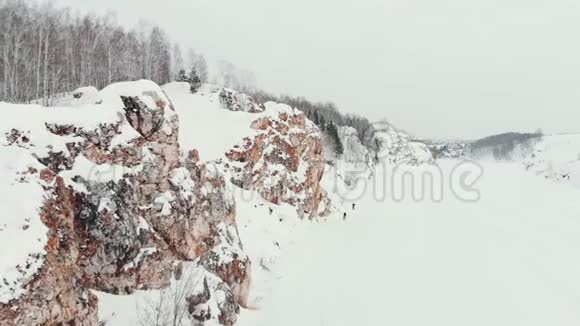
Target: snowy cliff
{"points": [[354, 150], [394, 146], [130, 194], [272, 148]]}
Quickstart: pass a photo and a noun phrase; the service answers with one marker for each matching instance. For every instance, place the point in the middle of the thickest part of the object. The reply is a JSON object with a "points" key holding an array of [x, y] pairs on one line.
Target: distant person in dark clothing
{"points": [[271, 210], [353, 205], [344, 216]]}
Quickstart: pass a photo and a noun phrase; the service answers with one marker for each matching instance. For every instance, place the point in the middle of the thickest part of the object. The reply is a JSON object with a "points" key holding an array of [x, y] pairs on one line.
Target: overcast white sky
{"points": [[446, 68]]}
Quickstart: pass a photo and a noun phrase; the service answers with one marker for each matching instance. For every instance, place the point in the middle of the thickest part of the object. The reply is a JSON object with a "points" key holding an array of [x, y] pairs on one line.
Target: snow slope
{"points": [[509, 259], [556, 157], [22, 234], [81, 96], [205, 124], [156, 307]]}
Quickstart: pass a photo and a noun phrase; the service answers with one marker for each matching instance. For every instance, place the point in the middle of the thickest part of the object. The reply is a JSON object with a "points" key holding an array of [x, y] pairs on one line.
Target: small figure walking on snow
{"points": [[271, 210], [353, 205], [344, 216]]}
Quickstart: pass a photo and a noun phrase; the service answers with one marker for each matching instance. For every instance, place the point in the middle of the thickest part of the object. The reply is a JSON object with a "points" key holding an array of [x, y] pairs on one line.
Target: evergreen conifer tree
{"points": [[194, 80], [333, 133]]}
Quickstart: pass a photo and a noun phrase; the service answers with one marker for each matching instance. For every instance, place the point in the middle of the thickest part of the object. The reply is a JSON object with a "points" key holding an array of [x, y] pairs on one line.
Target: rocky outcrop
{"points": [[283, 162], [229, 99], [235, 101], [355, 161], [55, 293], [118, 207], [447, 150], [123, 205], [394, 146], [270, 148], [354, 150]]}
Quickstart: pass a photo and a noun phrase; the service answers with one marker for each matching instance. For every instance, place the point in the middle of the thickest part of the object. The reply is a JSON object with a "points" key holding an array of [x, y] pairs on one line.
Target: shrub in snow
{"points": [[192, 78]]}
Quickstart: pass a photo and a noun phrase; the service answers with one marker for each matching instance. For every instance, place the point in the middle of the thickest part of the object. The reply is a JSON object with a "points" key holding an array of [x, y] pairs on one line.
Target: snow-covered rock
{"points": [[394, 146], [229, 99], [277, 152], [81, 96], [118, 198], [283, 161], [355, 160], [108, 201], [420, 152], [354, 150], [447, 150]]}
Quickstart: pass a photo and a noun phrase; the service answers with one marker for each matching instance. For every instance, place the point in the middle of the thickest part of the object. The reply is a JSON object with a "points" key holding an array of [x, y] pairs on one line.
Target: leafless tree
{"points": [[45, 50], [197, 61], [169, 307]]}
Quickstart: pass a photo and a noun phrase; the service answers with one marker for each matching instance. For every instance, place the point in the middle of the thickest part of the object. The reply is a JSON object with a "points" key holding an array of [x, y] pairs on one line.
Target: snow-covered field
{"points": [[509, 259]]}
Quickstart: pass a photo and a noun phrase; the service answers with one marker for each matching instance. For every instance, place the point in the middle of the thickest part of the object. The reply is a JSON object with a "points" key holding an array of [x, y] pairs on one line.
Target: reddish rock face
{"points": [[283, 162], [123, 206], [56, 294]]}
